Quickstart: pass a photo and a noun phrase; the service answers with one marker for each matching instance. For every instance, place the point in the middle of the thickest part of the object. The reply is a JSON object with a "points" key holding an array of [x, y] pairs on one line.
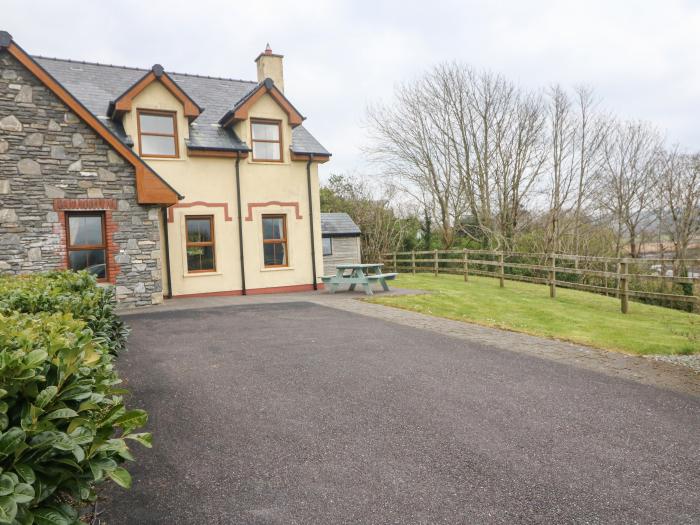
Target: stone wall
{"points": [[50, 162]]}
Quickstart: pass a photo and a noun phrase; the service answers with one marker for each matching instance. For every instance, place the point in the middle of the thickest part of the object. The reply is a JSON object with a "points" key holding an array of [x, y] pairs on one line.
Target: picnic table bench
{"points": [[363, 274]]}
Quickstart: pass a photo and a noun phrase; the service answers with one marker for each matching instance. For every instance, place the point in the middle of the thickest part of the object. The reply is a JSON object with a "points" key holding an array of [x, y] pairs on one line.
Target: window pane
{"points": [[85, 230], [200, 258], [91, 260], [156, 124], [275, 254], [265, 131], [154, 145], [327, 246], [273, 228], [266, 150], [198, 230]]}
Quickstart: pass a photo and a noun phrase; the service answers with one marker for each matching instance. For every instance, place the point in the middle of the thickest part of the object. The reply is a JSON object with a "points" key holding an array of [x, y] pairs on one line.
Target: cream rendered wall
{"points": [[156, 96], [278, 181], [270, 66], [212, 180]]}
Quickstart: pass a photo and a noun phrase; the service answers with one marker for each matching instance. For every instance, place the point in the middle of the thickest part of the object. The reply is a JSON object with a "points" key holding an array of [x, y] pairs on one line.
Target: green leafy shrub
{"points": [[63, 423], [67, 292]]}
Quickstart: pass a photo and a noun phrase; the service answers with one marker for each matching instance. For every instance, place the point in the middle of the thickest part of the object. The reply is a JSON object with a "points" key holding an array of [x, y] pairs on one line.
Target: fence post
{"points": [[500, 270], [466, 265], [605, 279], [624, 286], [435, 262], [395, 267], [553, 276], [696, 293], [413, 262]]}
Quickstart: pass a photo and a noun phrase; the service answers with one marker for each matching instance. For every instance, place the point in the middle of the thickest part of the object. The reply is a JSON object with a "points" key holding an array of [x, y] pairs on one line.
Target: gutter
{"points": [[311, 221], [217, 148], [240, 222], [166, 241]]}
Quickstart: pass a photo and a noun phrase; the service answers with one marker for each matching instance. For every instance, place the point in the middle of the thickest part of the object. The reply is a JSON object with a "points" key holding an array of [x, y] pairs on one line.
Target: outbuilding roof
{"points": [[338, 225], [97, 85]]}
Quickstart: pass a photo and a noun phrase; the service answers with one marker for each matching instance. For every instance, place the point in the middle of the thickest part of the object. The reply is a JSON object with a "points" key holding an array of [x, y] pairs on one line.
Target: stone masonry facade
{"points": [[52, 162]]}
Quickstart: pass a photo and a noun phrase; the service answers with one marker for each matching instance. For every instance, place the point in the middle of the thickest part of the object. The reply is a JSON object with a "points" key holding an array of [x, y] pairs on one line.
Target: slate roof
{"points": [[96, 85], [338, 224]]}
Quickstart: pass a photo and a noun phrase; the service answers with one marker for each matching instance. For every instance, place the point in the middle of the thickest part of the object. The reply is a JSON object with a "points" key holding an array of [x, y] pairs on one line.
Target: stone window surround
{"points": [[61, 206]]}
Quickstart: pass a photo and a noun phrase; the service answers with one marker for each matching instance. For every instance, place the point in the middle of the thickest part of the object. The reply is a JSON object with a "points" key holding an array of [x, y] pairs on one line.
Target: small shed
{"points": [[341, 241]]}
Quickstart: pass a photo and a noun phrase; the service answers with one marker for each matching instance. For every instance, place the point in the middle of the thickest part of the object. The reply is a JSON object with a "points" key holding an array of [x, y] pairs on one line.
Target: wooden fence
{"points": [[648, 280]]}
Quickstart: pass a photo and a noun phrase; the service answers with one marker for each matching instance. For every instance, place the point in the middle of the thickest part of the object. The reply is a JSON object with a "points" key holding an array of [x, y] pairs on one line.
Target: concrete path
{"points": [[295, 412]]}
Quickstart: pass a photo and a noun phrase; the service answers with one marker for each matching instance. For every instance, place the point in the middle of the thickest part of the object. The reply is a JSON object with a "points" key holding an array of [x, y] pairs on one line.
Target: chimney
{"points": [[270, 66]]}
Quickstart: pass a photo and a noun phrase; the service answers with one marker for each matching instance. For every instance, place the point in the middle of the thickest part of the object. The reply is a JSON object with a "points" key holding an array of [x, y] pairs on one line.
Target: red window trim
{"points": [[62, 206], [84, 247]]}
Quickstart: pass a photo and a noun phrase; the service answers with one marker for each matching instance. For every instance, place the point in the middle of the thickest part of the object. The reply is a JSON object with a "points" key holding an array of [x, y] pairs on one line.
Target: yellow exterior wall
{"points": [[156, 96], [212, 181]]}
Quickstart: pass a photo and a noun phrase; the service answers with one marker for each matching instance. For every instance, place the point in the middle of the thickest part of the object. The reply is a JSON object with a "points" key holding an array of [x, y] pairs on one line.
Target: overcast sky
{"points": [[641, 56]]}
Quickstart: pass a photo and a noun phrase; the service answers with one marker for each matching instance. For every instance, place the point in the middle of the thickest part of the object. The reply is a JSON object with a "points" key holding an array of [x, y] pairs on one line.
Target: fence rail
{"points": [[651, 280]]}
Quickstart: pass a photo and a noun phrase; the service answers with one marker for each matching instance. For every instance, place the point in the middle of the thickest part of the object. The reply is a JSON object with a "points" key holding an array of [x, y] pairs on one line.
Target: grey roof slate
{"points": [[304, 142], [338, 224], [96, 85]]}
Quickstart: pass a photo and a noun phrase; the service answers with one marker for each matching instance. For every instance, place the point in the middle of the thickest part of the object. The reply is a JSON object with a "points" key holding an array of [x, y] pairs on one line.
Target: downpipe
{"points": [[240, 223], [311, 221]]}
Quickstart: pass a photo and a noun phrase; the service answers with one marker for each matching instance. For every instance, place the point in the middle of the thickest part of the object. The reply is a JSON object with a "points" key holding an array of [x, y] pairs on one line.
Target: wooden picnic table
{"points": [[363, 274]]}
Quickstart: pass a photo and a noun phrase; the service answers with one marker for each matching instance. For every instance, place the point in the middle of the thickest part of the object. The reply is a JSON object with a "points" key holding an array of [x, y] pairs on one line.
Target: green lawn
{"points": [[580, 317]]}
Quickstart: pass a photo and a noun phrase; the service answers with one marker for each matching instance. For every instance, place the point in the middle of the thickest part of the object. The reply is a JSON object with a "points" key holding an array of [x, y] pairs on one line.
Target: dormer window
{"points": [[157, 133], [267, 144]]}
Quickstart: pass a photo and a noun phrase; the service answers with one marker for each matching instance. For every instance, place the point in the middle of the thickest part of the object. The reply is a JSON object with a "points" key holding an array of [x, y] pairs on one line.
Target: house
{"points": [[162, 184], [341, 241]]}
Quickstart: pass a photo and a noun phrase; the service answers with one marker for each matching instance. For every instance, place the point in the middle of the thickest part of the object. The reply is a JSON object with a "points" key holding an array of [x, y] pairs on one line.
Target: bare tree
{"points": [[680, 191], [411, 143], [562, 128], [628, 177], [463, 143], [519, 162], [591, 133], [476, 152]]}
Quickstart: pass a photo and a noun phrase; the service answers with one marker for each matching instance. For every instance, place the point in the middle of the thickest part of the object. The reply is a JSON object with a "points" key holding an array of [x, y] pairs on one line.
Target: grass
{"points": [[579, 317]]}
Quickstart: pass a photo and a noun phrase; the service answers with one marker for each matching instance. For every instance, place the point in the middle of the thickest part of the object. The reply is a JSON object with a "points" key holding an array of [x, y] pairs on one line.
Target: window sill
{"points": [[269, 162], [277, 269], [201, 274]]}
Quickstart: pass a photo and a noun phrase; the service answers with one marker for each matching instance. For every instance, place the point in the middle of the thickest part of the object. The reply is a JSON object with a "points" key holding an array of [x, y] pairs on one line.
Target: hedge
{"points": [[63, 423], [67, 292]]}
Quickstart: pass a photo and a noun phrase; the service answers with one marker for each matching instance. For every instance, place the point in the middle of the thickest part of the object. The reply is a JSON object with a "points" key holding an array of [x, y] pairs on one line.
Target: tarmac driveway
{"points": [[299, 413]]}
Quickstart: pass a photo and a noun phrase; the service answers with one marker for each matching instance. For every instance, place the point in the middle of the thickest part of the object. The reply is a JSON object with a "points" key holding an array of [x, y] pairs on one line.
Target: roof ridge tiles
{"points": [[145, 70], [88, 62]]}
